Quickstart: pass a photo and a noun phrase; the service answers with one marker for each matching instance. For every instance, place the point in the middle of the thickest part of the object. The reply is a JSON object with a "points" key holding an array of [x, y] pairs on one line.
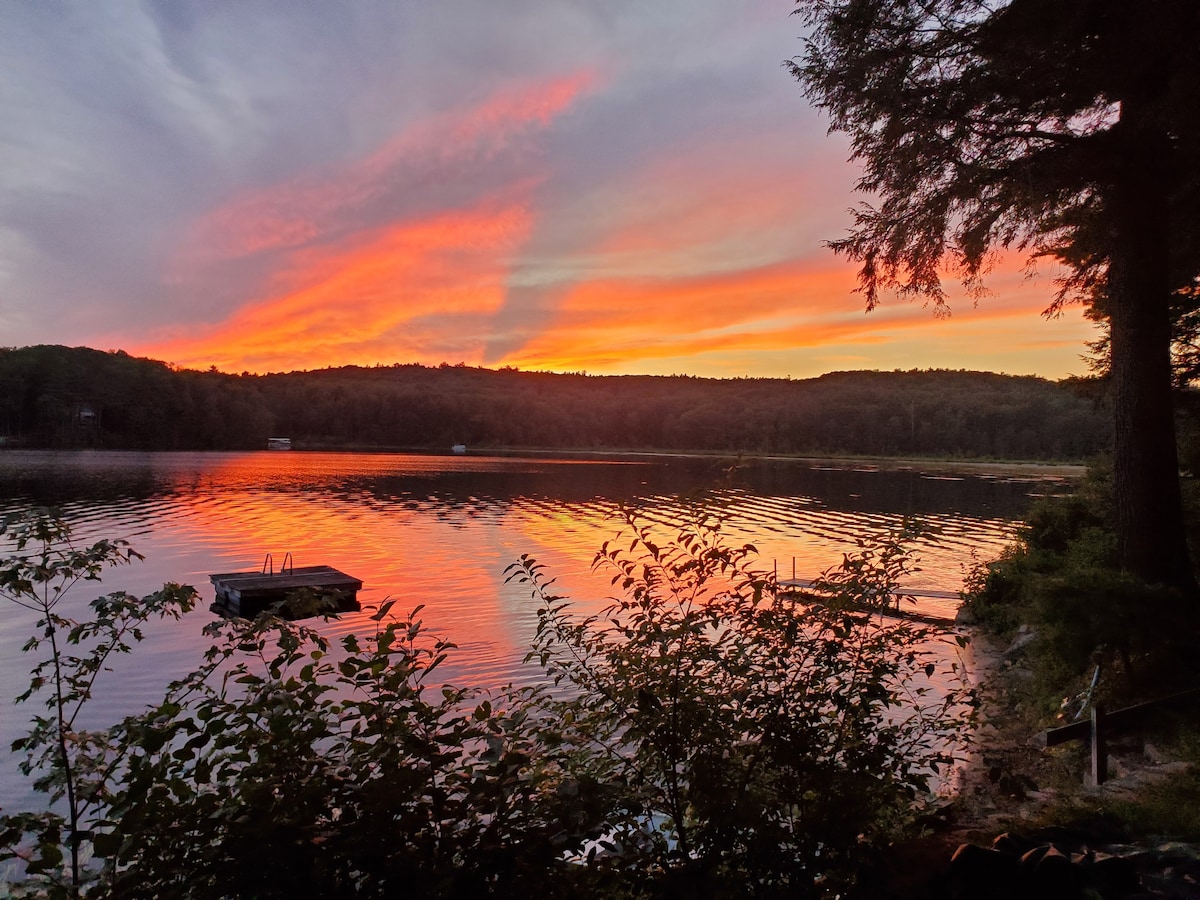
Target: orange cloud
{"points": [[705, 324], [344, 290], [691, 266], [506, 113], [697, 207], [702, 271], [335, 306]]}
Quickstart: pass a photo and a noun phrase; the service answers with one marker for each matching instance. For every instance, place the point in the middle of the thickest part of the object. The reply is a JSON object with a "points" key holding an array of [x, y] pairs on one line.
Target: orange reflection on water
{"points": [[418, 552], [424, 531]]}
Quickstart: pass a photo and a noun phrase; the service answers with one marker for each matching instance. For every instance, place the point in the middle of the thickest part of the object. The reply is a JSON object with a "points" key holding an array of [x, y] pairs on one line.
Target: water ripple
{"points": [[440, 531]]}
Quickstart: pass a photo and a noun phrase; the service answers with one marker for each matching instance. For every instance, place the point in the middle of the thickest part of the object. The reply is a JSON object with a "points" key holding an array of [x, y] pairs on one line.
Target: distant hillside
{"points": [[76, 397]]}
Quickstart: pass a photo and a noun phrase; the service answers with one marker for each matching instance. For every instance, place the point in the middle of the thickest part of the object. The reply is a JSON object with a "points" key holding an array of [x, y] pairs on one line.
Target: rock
{"points": [[1011, 786], [1030, 858], [1025, 637], [1054, 876], [976, 872], [1012, 844], [1113, 878], [1154, 755], [1179, 850]]}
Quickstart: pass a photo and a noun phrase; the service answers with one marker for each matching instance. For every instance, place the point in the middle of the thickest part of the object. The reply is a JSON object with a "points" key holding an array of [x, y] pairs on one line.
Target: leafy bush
{"points": [[76, 768], [766, 744], [282, 769], [1062, 577], [703, 735], [1061, 536]]}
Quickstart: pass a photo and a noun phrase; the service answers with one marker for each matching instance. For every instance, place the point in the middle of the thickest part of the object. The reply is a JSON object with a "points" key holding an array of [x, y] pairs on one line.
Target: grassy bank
{"points": [[1065, 630]]}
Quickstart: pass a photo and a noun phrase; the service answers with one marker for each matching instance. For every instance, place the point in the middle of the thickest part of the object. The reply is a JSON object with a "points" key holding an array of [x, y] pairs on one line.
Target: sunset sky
{"points": [[595, 185]]}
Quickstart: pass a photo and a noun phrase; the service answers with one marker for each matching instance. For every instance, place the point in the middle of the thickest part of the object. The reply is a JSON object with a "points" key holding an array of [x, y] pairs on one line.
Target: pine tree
{"points": [[1067, 130]]}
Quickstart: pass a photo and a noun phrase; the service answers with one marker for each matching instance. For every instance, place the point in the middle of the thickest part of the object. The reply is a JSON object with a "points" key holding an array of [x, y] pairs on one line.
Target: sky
{"points": [[607, 186]]}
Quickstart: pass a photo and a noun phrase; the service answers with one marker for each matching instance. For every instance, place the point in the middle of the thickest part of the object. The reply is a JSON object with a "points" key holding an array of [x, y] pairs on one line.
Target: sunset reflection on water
{"points": [[440, 531]]}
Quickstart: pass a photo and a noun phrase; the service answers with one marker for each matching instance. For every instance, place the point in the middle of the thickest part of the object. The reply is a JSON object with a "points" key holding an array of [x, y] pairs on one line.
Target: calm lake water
{"points": [[440, 530]]}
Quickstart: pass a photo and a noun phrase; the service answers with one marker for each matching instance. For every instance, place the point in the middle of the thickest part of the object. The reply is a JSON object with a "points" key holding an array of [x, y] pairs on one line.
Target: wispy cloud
{"points": [[610, 187], [358, 271], [326, 204]]}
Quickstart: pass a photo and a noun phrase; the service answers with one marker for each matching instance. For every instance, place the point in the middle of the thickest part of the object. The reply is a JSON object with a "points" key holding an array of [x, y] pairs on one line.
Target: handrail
{"points": [[289, 564], [269, 561], [1096, 729]]}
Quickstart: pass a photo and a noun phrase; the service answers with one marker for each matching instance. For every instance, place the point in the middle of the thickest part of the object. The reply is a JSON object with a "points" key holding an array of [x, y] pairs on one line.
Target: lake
{"points": [[440, 531]]}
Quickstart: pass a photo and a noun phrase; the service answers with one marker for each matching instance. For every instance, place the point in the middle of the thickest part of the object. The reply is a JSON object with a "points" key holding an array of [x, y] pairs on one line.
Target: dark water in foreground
{"points": [[440, 531]]}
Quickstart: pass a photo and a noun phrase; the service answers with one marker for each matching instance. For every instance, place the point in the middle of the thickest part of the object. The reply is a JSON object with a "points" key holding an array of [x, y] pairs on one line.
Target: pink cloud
{"points": [[312, 206]]}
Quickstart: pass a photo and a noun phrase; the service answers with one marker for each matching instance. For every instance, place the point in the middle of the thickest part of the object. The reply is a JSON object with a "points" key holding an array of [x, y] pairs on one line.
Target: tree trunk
{"points": [[1149, 503]]}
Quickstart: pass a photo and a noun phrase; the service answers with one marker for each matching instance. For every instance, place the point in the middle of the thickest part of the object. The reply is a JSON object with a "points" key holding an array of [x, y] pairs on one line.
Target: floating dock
{"points": [[249, 593]]}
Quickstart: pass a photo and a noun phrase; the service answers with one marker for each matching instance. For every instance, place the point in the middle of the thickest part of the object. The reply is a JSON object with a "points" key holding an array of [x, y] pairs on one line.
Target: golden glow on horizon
{"points": [[689, 280], [705, 326], [366, 302], [731, 324]]}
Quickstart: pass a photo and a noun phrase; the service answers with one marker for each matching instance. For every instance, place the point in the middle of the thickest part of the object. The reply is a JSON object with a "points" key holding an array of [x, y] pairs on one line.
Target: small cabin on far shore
{"points": [[279, 443]]}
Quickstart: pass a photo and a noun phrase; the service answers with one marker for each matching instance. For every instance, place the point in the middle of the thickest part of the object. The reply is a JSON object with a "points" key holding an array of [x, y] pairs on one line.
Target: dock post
{"points": [[1099, 748]]}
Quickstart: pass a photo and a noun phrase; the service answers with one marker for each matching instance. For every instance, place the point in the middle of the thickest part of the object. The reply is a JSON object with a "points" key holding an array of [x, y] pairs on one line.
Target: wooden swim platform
{"points": [[249, 593]]}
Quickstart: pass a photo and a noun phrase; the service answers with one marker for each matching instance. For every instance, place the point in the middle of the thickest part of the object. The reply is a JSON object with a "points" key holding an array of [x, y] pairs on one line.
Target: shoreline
{"points": [[867, 463], [1037, 469]]}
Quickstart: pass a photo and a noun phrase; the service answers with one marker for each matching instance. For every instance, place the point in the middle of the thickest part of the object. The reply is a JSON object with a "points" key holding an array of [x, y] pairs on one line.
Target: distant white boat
{"points": [[458, 449], [279, 443]]}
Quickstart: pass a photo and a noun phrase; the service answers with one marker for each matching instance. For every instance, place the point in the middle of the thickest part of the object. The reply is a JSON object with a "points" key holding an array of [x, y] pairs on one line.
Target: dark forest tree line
{"points": [[63, 397]]}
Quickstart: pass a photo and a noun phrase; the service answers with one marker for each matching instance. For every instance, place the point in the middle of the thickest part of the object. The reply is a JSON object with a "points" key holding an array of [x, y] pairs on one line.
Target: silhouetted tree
{"points": [[1068, 130]]}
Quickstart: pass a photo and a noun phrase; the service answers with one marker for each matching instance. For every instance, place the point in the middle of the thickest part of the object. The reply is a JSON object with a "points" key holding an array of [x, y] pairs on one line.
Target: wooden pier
{"points": [[799, 587], [249, 593]]}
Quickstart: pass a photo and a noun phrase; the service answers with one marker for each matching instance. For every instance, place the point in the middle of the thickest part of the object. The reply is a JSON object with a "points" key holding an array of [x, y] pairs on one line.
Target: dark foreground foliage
{"points": [[769, 746], [702, 736], [1062, 582]]}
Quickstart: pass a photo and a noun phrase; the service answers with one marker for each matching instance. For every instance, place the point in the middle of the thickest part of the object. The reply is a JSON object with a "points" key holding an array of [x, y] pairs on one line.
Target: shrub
{"points": [[766, 745], [1062, 577], [703, 735], [283, 768], [1061, 536], [76, 768]]}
